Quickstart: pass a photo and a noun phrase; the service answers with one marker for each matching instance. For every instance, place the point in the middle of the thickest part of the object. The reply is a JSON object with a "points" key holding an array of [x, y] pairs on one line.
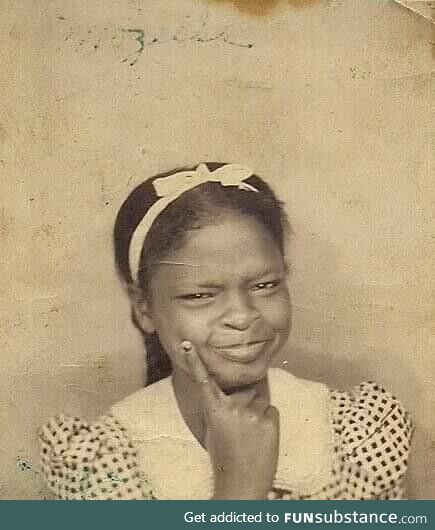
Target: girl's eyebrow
{"points": [[208, 285], [269, 270], [213, 284]]}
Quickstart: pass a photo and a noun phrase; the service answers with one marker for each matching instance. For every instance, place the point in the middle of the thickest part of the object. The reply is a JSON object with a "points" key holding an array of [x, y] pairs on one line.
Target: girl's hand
{"points": [[242, 436]]}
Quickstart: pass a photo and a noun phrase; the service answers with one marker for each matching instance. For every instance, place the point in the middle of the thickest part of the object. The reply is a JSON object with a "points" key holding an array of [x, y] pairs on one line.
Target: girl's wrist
{"points": [[239, 494], [234, 489]]}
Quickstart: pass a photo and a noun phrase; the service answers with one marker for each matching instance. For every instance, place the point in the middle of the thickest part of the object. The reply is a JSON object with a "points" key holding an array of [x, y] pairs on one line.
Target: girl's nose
{"points": [[239, 312]]}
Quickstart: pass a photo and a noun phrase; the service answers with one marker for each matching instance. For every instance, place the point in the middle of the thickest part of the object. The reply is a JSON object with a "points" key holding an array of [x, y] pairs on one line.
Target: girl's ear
{"points": [[140, 308]]}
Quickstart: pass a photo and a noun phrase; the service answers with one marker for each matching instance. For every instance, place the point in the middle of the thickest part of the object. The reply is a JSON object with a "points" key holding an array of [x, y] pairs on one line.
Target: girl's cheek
{"points": [[192, 329], [195, 322], [286, 314], [277, 312]]}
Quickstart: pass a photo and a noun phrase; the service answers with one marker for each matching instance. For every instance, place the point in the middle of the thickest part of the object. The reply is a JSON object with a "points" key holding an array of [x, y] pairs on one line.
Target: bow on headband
{"points": [[229, 175], [168, 189]]}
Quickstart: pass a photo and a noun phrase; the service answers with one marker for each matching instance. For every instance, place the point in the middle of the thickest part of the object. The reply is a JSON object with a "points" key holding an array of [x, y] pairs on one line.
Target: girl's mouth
{"points": [[242, 353]]}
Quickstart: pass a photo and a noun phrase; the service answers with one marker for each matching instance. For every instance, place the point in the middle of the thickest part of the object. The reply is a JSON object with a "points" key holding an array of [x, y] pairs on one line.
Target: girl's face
{"points": [[225, 291]]}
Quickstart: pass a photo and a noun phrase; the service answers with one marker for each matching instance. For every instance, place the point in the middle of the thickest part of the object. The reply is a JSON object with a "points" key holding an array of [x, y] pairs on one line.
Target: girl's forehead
{"points": [[216, 274], [238, 246]]}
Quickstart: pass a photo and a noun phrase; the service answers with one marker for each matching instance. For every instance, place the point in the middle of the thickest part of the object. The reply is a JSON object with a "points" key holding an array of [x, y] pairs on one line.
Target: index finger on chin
{"points": [[207, 384]]}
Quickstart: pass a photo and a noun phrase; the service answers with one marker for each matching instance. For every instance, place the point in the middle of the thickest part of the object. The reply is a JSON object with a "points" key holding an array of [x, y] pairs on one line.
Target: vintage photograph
{"points": [[217, 246]]}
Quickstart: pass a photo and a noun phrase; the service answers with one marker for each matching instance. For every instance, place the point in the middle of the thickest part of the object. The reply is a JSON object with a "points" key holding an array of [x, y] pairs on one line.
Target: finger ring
{"points": [[204, 382]]}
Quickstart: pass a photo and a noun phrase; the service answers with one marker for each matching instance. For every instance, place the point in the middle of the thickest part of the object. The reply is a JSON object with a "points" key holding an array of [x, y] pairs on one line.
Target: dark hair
{"points": [[200, 206]]}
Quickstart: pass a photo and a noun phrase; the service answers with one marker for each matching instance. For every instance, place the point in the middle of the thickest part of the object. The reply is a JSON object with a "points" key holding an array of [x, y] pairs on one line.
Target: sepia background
{"points": [[328, 100]]}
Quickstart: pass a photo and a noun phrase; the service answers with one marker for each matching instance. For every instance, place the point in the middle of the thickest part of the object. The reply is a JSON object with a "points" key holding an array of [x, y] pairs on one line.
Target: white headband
{"points": [[171, 187]]}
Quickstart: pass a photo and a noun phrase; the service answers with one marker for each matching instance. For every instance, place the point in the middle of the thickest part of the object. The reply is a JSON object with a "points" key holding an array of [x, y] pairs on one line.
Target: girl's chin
{"points": [[232, 384], [234, 389]]}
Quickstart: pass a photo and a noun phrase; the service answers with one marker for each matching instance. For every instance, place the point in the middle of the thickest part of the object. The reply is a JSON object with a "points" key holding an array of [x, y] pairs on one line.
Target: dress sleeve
{"points": [[86, 461], [375, 433]]}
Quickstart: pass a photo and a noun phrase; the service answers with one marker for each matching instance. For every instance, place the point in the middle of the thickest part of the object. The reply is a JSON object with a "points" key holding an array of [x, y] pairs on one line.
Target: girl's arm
{"points": [[90, 461], [375, 433]]}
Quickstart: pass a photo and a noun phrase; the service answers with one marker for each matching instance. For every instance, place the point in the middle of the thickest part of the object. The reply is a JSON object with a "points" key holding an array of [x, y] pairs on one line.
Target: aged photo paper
{"points": [[329, 101]]}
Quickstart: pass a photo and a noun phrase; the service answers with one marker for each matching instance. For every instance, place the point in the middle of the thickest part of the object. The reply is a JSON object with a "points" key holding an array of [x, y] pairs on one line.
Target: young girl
{"points": [[202, 255]]}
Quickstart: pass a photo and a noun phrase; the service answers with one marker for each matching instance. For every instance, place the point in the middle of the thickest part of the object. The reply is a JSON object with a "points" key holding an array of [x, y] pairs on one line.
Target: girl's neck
{"points": [[188, 396]]}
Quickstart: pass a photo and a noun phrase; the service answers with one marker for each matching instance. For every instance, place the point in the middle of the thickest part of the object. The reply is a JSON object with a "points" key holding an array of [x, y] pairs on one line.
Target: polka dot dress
{"points": [[372, 433], [90, 460]]}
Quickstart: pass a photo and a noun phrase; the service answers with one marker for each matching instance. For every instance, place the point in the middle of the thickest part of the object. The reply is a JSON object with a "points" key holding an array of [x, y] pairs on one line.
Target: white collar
{"points": [[178, 467]]}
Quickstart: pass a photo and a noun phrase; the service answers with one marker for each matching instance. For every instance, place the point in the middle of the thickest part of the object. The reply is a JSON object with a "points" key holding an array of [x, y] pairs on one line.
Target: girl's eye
{"points": [[196, 296], [267, 286]]}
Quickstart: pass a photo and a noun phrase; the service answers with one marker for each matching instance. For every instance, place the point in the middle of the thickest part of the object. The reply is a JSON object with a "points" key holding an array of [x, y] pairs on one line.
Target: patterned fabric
{"points": [[372, 434], [97, 460]]}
